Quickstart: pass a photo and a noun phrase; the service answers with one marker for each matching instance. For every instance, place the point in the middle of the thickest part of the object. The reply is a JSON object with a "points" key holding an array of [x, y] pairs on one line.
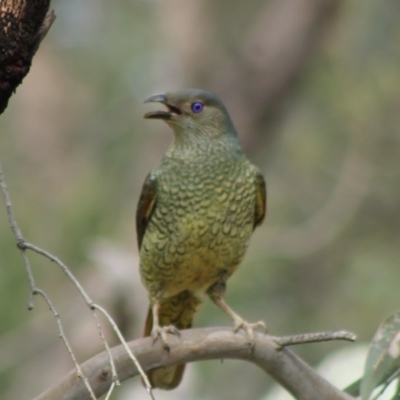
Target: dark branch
{"points": [[23, 25], [194, 345]]}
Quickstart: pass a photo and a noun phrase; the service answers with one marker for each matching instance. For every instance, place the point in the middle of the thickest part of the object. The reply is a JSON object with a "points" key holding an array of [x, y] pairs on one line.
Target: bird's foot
{"points": [[248, 327], [161, 332]]}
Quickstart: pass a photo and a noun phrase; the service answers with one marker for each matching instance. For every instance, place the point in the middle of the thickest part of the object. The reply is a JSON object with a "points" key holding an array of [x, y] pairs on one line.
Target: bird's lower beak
{"points": [[161, 98]]}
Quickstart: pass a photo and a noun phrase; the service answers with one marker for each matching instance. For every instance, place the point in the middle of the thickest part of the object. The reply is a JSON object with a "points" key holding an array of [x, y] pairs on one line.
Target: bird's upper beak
{"points": [[171, 112]]}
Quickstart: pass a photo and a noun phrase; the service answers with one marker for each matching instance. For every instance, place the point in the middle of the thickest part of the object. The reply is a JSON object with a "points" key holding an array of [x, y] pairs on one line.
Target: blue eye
{"points": [[197, 107]]}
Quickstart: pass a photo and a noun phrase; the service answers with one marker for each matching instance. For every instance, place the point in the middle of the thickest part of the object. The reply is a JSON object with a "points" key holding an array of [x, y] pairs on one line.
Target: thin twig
{"points": [[304, 338], [93, 306], [32, 284], [108, 396], [34, 290], [23, 245], [128, 350], [65, 340], [10, 213], [107, 347]]}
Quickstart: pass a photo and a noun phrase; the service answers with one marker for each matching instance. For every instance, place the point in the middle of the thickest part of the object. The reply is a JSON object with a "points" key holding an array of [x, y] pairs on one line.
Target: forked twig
{"points": [[23, 245], [127, 349], [65, 340]]}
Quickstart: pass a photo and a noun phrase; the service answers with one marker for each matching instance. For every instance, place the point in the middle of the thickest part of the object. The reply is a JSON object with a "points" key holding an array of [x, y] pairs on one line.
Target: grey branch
{"points": [[305, 338], [195, 345]]}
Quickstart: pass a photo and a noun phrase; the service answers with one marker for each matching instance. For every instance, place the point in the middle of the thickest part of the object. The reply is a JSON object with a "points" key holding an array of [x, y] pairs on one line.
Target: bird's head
{"points": [[193, 110]]}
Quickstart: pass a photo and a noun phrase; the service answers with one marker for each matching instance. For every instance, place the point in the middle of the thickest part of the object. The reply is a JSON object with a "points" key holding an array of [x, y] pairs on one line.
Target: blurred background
{"points": [[313, 89]]}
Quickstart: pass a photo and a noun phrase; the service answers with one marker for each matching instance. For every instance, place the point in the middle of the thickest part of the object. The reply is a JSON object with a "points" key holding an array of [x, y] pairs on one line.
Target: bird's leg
{"points": [[216, 293], [161, 331]]}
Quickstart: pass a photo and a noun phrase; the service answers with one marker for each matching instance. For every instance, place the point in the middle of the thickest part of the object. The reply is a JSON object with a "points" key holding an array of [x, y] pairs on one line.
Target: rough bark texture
{"points": [[23, 25]]}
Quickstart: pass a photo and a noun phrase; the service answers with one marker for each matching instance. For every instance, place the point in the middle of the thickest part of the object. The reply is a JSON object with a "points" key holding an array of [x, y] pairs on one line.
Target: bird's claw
{"points": [[249, 329], [161, 332]]}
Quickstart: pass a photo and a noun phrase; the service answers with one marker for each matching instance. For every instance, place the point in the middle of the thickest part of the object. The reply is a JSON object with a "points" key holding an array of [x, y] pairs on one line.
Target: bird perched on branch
{"points": [[195, 216]]}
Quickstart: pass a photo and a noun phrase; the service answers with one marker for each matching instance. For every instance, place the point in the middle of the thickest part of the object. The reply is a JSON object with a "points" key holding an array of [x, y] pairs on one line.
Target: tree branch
{"points": [[23, 25], [314, 337], [195, 345]]}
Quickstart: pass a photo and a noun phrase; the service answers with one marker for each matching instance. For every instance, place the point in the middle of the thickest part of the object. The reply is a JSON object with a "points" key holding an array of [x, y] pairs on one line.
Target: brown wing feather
{"points": [[261, 200], [145, 206]]}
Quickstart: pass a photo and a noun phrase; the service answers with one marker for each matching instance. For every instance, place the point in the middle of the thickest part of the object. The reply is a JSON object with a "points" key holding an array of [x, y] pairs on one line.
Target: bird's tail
{"points": [[178, 311]]}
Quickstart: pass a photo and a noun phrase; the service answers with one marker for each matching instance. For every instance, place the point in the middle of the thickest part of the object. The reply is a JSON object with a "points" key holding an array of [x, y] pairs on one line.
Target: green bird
{"points": [[195, 216]]}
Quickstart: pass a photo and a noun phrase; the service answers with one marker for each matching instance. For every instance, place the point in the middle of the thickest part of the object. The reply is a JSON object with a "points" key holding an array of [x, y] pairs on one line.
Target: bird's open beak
{"points": [[171, 109]]}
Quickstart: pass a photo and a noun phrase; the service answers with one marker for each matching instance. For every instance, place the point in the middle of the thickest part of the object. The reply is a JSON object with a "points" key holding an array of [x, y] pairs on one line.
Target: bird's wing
{"points": [[261, 199], [145, 206]]}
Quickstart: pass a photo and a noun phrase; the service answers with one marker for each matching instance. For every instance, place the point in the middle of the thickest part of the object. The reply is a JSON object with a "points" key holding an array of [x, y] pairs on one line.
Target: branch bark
{"points": [[195, 345], [23, 25]]}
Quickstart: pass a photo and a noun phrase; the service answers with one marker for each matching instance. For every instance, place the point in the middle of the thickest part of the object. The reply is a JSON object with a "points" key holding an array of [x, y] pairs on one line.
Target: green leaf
{"points": [[383, 357], [396, 396], [354, 388]]}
